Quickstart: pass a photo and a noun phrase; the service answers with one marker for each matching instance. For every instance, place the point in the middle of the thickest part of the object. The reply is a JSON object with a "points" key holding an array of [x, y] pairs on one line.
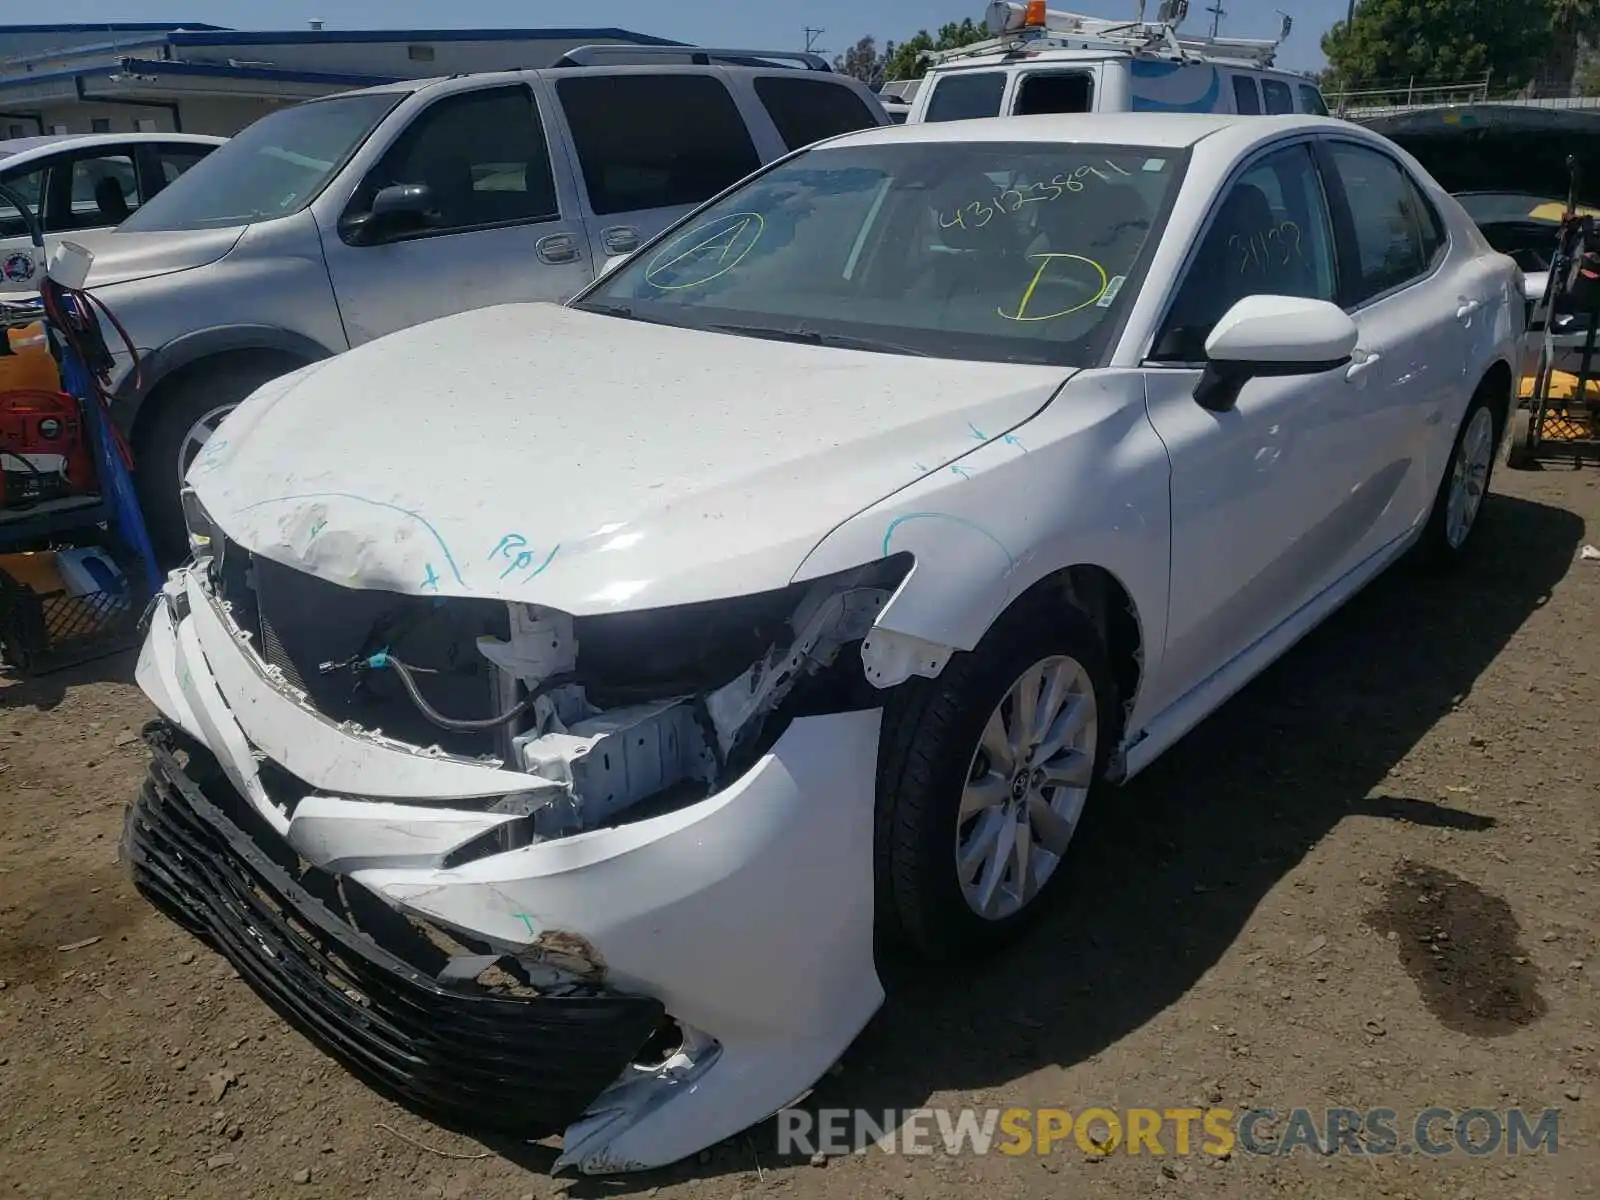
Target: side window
{"points": [[655, 141], [1054, 92], [98, 190], [1395, 231], [1311, 101], [1270, 236], [1276, 97], [483, 157], [1246, 96], [173, 161], [966, 94], [30, 186], [809, 110]]}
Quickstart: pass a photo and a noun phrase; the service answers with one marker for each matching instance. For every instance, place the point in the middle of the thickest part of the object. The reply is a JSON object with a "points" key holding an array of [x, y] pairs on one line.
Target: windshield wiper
{"points": [[814, 337]]}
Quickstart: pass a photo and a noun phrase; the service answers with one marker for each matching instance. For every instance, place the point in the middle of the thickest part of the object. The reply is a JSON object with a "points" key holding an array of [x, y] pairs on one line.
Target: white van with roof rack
{"points": [[1044, 61]]}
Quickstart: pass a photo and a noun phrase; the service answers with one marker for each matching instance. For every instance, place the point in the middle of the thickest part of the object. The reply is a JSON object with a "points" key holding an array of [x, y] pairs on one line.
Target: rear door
{"points": [[648, 146], [501, 231], [1417, 316]]}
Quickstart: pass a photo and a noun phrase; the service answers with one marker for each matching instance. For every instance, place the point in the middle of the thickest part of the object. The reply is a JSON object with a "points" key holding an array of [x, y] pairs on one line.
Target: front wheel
{"points": [[984, 775], [185, 415]]}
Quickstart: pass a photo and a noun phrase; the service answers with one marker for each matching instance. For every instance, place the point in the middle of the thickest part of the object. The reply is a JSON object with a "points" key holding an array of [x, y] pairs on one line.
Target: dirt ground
{"points": [[1373, 879]]}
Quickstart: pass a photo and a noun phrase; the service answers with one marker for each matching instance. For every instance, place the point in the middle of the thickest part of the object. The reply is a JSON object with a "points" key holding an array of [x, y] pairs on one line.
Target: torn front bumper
{"points": [[746, 918]]}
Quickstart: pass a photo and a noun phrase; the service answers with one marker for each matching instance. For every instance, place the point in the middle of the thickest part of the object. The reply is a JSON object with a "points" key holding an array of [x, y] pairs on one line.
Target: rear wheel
{"points": [[185, 413], [1520, 454], [1459, 501]]}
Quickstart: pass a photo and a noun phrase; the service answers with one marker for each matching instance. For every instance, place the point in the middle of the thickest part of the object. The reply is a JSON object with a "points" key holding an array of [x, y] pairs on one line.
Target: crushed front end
{"points": [[606, 876]]}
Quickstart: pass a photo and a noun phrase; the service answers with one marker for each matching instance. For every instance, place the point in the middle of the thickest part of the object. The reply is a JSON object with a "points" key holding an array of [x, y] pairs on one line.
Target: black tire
{"points": [[1435, 545], [930, 732], [1520, 451], [162, 432]]}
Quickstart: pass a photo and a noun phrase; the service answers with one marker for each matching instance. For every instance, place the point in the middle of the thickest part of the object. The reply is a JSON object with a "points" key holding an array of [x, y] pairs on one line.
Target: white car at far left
{"points": [[560, 698]]}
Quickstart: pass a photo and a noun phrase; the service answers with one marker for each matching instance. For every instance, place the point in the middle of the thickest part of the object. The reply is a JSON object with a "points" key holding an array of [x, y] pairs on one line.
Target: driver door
{"points": [[499, 231], [1261, 511]]}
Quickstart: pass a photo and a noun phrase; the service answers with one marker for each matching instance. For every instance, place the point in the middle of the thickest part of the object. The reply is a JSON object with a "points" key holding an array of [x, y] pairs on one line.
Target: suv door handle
{"points": [[558, 248], [1357, 369], [1467, 308], [620, 239]]}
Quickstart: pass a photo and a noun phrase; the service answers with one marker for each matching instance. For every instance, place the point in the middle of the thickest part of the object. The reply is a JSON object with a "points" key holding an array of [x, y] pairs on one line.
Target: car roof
{"points": [[15, 151], [1165, 131]]}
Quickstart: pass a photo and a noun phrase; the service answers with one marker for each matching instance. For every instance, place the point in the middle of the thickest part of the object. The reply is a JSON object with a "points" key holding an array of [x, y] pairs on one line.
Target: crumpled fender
{"points": [[1085, 481]]}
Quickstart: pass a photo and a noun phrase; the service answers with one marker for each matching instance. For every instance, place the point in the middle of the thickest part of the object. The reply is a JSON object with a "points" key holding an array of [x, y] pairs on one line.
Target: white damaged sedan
{"points": [[561, 699]]}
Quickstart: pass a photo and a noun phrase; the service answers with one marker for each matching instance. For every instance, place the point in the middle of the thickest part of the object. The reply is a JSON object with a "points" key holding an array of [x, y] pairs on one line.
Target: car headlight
{"points": [[205, 539]]}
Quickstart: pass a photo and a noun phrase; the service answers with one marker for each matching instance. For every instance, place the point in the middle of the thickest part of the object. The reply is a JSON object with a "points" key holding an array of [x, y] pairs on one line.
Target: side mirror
{"points": [[398, 209], [1272, 336], [1533, 285]]}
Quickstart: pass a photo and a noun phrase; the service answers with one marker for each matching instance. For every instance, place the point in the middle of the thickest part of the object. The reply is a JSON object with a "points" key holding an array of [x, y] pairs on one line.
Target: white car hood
{"points": [[547, 455]]}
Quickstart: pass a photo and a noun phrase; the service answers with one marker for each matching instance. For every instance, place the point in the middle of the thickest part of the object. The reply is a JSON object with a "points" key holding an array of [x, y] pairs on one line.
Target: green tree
{"points": [[905, 60], [862, 61], [1391, 43], [1574, 26]]}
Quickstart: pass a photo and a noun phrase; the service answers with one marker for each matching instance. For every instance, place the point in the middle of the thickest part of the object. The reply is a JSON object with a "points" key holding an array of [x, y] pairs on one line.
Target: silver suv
{"points": [[329, 224]]}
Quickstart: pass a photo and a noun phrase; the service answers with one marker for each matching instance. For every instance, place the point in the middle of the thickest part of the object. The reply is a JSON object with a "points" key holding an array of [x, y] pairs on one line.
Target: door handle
{"points": [[620, 239], [1467, 308], [558, 248], [1357, 369]]}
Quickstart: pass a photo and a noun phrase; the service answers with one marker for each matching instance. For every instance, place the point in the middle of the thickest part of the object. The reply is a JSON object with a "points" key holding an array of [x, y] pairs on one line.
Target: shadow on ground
{"points": [[45, 692], [1168, 870]]}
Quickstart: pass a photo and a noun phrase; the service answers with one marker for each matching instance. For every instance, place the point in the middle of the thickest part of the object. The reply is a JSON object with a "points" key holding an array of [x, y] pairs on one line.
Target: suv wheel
{"points": [[185, 414]]}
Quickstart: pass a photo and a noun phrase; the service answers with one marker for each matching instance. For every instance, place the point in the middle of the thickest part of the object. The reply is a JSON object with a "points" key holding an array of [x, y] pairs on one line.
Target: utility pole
{"points": [[1217, 13], [811, 38], [1350, 16]]}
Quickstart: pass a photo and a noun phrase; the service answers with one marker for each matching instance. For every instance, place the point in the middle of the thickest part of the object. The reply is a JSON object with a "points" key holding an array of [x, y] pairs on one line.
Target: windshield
{"points": [[1014, 252], [272, 169]]}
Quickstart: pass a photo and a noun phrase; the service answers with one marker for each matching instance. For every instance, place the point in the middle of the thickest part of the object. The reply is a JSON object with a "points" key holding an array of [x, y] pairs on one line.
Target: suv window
{"points": [[1271, 236], [100, 190], [655, 141], [1396, 232], [1054, 92], [1276, 97], [967, 94], [481, 154], [1246, 96], [1312, 102], [809, 110]]}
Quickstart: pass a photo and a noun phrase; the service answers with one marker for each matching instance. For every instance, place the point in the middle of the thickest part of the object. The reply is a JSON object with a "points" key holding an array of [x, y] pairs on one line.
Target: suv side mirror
{"points": [[1272, 336], [398, 209]]}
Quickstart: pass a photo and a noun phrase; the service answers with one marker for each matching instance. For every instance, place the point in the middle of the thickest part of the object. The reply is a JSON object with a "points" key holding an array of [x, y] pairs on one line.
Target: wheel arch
{"points": [[206, 349], [1498, 385]]}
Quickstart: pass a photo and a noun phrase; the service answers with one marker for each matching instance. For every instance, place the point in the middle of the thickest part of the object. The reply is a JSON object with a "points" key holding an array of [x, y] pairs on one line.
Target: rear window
{"points": [[809, 110], [967, 95], [1277, 97], [655, 141], [1312, 102]]}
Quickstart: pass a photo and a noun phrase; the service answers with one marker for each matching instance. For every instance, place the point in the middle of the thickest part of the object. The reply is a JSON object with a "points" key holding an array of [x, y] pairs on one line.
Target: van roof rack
{"points": [[588, 56], [1030, 28]]}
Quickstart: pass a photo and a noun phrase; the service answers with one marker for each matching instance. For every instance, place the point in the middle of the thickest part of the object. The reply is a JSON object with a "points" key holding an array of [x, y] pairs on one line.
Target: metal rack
{"points": [[1079, 31]]}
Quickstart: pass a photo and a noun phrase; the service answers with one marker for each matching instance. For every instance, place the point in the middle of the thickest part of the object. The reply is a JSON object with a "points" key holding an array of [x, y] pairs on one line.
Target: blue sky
{"points": [[745, 22]]}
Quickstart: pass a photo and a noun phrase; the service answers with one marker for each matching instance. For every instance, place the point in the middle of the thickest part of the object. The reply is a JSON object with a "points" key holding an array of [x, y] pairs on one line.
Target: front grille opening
{"points": [[299, 622]]}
